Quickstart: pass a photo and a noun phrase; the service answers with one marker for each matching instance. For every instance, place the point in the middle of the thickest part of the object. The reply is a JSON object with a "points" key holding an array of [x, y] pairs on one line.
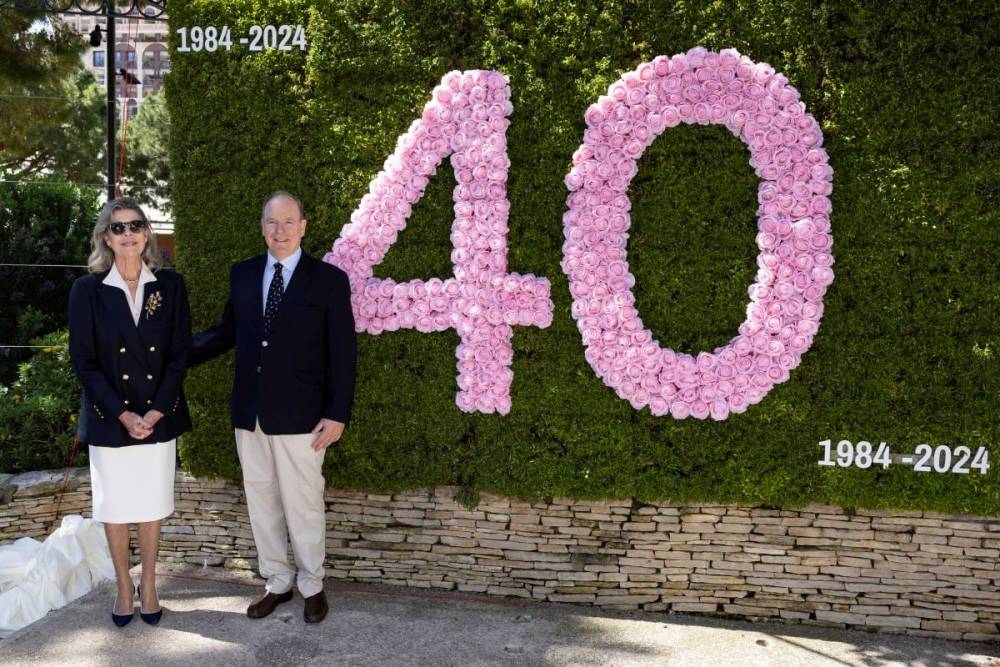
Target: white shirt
{"points": [[114, 279], [288, 265]]}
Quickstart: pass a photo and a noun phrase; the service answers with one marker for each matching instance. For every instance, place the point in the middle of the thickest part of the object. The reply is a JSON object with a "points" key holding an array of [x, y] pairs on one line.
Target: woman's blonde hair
{"points": [[101, 256]]}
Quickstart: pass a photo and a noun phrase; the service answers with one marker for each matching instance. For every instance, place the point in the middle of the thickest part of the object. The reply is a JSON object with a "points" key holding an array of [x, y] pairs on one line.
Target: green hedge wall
{"points": [[907, 95]]}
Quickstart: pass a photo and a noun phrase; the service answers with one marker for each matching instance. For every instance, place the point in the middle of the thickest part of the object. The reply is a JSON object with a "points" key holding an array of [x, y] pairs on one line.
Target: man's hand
{"points": [[329, 432], [135, 425]]}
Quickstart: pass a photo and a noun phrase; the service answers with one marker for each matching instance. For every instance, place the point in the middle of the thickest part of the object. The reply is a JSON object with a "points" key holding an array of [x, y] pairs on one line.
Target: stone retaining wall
{"points": [[919, 573]]}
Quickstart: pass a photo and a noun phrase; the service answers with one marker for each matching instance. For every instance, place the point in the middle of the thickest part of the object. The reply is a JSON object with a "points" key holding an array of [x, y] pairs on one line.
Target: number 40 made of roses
{"points": [[466, 119]]}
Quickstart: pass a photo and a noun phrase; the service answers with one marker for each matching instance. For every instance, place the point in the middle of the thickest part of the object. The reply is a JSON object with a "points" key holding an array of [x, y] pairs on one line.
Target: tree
{"points": [[51, 108], [68, 141], [146, 160], [35, 50]]}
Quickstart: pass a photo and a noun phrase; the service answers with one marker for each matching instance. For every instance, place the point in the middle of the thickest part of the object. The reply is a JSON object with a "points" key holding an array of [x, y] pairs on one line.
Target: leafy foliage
{"points": [[148, 163], [29, 55], [51, 108], [38, 411], [41, 222], [908, 95], [59, 131]]}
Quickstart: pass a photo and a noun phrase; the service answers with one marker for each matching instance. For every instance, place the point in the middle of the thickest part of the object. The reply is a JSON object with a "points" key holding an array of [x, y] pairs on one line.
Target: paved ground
{"points": [[204, 625]]}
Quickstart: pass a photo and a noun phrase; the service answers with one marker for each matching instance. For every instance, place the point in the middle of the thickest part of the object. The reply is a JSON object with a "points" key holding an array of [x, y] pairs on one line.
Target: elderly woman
{"points": [[129, 334]]}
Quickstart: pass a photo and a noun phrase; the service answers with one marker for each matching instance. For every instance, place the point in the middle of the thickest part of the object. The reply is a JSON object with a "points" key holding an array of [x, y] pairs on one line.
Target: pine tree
{"points": [[51, 109], [147, 162]]}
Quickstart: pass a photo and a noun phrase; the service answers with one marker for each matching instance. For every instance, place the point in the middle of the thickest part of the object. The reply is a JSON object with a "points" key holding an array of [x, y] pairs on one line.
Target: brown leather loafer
{"points": [[264, 605], [316, 608]]}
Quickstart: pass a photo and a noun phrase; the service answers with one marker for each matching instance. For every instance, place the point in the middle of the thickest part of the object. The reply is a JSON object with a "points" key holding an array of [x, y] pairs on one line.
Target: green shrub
{"points": [[38, 411], [41, 222], [907, 94]]}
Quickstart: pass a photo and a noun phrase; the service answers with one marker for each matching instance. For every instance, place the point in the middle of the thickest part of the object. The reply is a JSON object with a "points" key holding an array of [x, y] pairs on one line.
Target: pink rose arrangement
{"points": [[786, 302], [466, 119]]}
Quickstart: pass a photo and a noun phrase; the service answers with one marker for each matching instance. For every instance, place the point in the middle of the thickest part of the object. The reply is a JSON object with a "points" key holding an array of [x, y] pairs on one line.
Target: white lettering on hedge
{"points": [[210, 39], [941, 459]]}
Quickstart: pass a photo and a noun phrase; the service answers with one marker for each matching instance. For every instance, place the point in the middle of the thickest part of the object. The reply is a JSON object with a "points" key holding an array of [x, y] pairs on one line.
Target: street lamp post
{"points": [[111, 83], [146, 10]]}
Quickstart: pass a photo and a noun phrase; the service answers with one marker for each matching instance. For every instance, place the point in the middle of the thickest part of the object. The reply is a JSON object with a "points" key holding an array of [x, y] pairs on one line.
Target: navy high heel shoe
{"points": [[121, 620], [152, 617]]}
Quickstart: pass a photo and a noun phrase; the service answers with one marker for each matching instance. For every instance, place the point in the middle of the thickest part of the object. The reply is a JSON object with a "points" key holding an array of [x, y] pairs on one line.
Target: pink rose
{"points": [[700, 409], [737, 403], [680, 409]]}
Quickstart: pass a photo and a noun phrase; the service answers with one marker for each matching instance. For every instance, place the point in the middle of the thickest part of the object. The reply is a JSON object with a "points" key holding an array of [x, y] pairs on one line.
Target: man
{"points": [[289, 318]]}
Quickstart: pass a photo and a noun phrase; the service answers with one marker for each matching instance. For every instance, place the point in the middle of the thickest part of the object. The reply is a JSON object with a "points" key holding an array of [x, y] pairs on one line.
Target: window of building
{"points": [[98, 58], [155, 61], [128, 60]]}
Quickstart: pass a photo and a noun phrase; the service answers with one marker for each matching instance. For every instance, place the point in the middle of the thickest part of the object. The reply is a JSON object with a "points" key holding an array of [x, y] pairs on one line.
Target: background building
{"points": [[140, 49]]}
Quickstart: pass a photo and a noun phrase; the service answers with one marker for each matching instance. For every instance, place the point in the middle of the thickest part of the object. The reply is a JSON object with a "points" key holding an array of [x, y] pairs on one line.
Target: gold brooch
{"points": [[152, 303]]}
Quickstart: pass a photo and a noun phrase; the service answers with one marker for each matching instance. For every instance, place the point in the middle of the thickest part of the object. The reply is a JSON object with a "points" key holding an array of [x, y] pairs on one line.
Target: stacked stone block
{"points": [[919, 573]]}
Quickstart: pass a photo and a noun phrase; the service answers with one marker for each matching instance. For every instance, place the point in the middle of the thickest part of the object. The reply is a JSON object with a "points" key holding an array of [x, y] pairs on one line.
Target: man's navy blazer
{"points": [[124, 367], [303, 370]]}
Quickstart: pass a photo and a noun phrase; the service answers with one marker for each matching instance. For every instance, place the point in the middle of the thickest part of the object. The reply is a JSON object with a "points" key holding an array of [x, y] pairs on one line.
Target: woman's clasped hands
{"points": [[140, 427]]}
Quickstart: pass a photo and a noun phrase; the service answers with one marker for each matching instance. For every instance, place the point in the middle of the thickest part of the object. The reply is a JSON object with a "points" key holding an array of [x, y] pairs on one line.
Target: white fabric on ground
{"points": [[36, 577]]}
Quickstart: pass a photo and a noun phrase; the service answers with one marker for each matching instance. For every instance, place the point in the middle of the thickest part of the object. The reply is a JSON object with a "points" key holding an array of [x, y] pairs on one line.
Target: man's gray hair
{"points": [[282, 193]]}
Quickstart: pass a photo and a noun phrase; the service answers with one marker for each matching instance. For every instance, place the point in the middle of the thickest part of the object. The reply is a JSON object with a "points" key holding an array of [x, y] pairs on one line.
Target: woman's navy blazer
{"points": [[124, 367]]}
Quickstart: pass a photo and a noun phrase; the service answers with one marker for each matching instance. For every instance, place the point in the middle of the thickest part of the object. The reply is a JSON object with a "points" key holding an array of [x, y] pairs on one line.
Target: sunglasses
{"points": [[135, 226]]}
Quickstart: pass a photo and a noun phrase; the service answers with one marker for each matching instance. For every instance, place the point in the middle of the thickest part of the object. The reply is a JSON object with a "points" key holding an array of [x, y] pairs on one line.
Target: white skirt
{"points": [[133, 484]]}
